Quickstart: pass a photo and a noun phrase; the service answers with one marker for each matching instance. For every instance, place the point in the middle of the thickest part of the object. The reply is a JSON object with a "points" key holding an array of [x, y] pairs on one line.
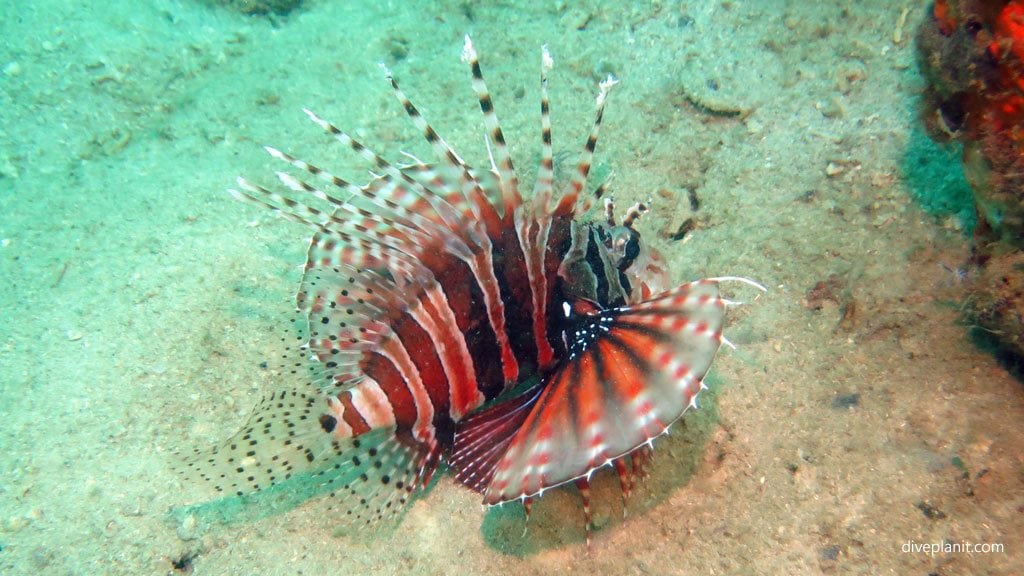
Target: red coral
{"points": [[972, 55], [945, 22], [1007, 49]]}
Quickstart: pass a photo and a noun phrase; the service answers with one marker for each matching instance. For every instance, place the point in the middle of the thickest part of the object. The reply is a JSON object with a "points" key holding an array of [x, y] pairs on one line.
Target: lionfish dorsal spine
{"points": [[482, 210], [574, 202], [328, 227], [502, 159], [377, 216], [444, 211], [542, 188]]}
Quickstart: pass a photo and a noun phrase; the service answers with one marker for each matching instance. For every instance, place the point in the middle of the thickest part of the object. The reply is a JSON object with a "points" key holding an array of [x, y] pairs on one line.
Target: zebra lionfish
{"points": [[452, 320]]}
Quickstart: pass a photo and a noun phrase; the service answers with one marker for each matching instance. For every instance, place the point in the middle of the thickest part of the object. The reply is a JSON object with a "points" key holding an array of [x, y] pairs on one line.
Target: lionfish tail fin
{"points": [[295, 448], [630, 372], [281, 439]]}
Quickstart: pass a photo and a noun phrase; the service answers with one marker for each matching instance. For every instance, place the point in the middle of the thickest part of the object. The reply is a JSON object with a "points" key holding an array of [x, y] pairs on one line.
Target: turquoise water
{"points": [[139, 299]]}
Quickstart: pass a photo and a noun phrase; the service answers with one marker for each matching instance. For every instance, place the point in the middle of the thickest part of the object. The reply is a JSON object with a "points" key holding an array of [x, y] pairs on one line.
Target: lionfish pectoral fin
{"points": [[630, 373], [481, 438]]}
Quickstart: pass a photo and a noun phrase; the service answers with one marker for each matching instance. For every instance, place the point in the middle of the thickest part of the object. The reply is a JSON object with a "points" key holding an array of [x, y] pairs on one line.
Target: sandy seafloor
{"points": [[139, 300]]}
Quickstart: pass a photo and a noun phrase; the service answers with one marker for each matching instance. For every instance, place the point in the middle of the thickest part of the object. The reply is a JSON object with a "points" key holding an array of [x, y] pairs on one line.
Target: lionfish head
{"points": [[610, 264], [641, 267]]}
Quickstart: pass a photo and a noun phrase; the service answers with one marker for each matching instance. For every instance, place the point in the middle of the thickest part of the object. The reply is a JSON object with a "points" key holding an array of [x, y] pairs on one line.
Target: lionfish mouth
{"points": [[448, 318]]}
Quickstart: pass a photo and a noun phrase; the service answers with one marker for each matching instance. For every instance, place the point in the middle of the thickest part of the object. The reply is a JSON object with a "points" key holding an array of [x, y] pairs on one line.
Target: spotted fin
{"points": [[344, 314], [376, 481], [294, 449], [629, 374]]}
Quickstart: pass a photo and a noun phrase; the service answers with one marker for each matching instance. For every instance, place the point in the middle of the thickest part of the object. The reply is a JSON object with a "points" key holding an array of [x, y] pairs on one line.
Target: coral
{"points": [[971, 53], [997, 305]]}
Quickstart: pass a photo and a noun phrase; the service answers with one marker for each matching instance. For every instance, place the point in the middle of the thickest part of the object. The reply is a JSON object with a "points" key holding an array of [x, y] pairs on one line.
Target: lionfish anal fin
{"points": [[481, 438]]}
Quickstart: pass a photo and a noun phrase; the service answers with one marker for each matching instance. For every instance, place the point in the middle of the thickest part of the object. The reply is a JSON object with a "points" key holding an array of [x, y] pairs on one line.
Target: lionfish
{"points": [[452, 320]]}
